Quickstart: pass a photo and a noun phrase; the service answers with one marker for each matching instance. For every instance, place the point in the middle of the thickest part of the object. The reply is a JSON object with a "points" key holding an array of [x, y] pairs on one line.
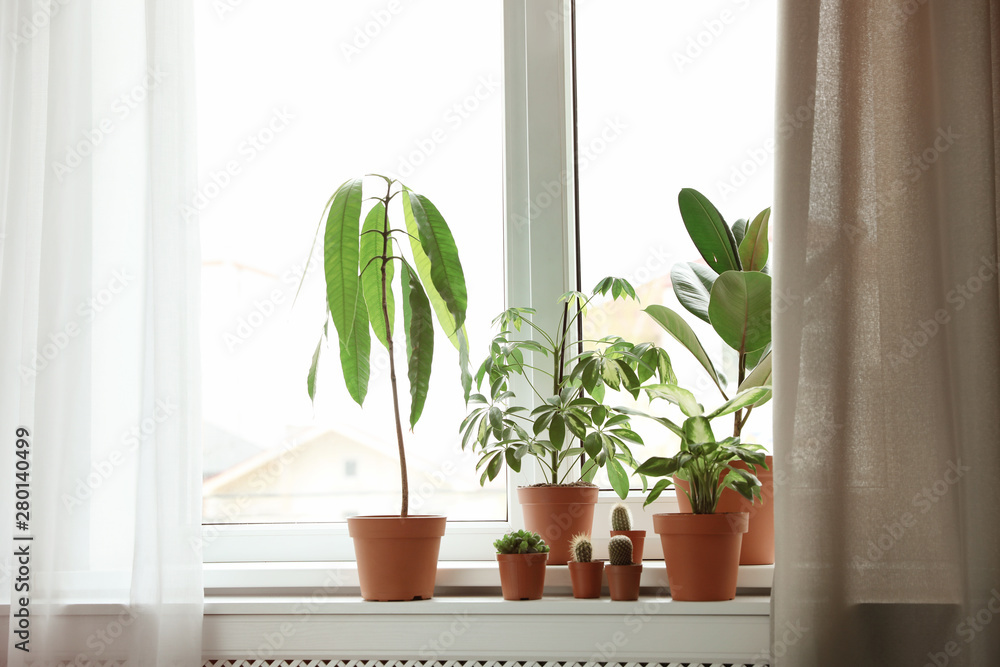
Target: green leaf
{"points": [[311, 378], [753, 247], [557, 431], [463, 362], [675, 325], [739, 230], [372, 248], [678, 396], [592, 444], [494, 467], [657, 466], [759, 376], [438, 246], [710, 233], [741, 400], [692, 285], [513, 462], [659, 488], [753, 358], [341, 255], [697, 429], [740, 309], [419, 341], [618, 477]]}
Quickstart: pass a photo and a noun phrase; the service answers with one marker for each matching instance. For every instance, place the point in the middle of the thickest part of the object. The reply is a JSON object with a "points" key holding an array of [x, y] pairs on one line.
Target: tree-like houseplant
{"points": [[521, 556], [702, 549], [397, 555], [572, 423], [731, 291]]}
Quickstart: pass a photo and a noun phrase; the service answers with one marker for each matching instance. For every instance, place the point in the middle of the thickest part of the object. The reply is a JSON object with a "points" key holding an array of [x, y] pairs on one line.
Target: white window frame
{"points": [[540, 261]]}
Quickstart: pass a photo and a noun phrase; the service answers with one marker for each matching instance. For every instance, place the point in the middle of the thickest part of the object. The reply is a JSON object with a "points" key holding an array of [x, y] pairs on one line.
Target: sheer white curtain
{"points": [[98, 330], [887, 336]]}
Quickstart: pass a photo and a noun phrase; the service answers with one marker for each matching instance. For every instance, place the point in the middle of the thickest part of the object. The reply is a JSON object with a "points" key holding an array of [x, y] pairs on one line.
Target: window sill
{"points": [[331, 579]]}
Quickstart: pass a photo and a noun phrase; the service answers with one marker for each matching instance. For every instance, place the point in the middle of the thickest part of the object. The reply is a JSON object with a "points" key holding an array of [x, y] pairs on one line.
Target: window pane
{"points": [[294, 98], [670, 95]]}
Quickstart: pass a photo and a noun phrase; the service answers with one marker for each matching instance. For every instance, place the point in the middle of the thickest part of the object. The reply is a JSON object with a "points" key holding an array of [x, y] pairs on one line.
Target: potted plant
{"points": [[621, 524], [397, 555], [623, 573], [572, 422], [702, 549], [586, 574], [521, 556], [732, 292]]}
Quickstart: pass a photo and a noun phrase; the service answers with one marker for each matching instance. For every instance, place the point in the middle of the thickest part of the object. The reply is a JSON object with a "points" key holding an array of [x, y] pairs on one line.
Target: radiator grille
{"points": [[460, 663]]}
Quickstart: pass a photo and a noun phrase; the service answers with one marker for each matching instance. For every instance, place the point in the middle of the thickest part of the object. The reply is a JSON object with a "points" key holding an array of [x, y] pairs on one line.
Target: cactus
{"points": [[621, 517], [521, 542], [583, 550], [620, 550]]}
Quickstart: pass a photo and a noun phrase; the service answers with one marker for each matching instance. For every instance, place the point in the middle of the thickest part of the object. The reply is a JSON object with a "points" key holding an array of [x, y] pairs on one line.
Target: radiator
{"points": [[459, 663]]}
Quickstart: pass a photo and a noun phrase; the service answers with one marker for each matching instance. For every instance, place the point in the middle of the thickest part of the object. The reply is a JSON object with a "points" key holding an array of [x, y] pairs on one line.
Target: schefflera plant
{"points": [[360, 262]]}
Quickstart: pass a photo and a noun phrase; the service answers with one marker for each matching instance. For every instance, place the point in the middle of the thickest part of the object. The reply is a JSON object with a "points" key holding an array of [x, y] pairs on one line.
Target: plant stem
{"points": [[392, 364], [737, 423]]}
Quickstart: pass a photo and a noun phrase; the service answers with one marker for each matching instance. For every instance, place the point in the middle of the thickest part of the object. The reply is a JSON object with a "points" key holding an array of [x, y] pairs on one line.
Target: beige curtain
{"points": [[887, 334]]}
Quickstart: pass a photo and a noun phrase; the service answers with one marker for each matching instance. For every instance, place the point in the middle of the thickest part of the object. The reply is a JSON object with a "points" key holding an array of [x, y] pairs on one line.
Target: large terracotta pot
{"points": [[638, 539], [522, 576], [623, 581], [587, 579], [558, 513], [397, 556], [758, 542], [702, 553]]}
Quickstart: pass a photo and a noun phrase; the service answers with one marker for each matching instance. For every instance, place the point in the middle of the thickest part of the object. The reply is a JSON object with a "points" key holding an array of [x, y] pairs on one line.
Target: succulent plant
{"points": [[621, 517], [620, 550], [521, 542], [582, 549]]}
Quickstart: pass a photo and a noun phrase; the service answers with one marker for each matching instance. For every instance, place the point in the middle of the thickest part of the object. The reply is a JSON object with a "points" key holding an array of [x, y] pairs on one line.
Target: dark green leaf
{"points": [[740, 309], [710, 233], [439, 246], [419, 341], [739, 230], [657, 489], [557, 431]]}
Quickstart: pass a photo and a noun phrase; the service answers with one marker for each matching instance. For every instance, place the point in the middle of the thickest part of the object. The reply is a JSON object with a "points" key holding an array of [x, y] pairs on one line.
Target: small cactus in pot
{"points": [[623, 574], [621, 525], [586, 574]]}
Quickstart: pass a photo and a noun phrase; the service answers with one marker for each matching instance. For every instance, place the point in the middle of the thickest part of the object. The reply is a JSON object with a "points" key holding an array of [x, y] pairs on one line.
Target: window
{"points": [[669, 95]]}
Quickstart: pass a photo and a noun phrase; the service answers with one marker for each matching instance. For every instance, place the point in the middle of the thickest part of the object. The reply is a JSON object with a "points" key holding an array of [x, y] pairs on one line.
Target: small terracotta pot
{"points": [[397, 556], [522, 576], [623, 581], [587, 578], [758, 542], [702, 553], [638, 538], [558, 513]]}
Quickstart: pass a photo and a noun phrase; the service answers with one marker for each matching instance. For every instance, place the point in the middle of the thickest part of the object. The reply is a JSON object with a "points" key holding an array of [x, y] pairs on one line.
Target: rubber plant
{"points": [[360, 262], [731, 291], [572, 421]]}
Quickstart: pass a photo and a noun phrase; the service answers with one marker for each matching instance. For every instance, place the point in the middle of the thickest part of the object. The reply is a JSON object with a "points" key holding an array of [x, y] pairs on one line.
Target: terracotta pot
{"points": [[397, 556], [758, 542], [587, 578], [638, 538], [522, 576], [702, 553], [623, 581], [558, 513]]}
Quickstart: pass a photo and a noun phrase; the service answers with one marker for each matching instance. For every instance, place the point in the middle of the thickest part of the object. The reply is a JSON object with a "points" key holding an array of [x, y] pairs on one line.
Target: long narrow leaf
{"points": [[678, 396], [419, 325], [753, 248], [675, 325], [311, 378], [355, 351], [373, 249], [744, 399]]}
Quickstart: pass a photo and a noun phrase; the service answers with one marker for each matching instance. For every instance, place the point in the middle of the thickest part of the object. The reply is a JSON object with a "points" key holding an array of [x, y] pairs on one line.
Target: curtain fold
{"points": [[99, 299], [887, 335]]}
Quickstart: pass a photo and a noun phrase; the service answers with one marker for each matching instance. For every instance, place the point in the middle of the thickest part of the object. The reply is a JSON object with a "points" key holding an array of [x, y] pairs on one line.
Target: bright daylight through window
{"points": [[337, 90], [671, 95]]}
